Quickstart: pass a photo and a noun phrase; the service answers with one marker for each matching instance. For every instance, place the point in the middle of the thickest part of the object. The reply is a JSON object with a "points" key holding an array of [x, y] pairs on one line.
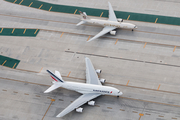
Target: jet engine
{"points": [[91, 103], [102, 80], [79, 110], [98, 70], [120, 20], [113, 32]]}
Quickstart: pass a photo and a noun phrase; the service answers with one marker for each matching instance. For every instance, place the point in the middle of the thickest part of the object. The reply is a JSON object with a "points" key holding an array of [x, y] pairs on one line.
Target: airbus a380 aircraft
{"points": [[89, 90], [109, 25]]}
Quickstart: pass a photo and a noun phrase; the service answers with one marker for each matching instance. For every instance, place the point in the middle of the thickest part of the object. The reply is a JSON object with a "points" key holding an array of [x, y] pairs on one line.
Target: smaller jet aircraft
{"points": [[109, 25], [89, 90]]}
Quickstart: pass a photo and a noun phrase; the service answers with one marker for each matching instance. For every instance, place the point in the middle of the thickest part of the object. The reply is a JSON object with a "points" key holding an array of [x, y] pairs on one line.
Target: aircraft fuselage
{"points": [[90, 88], [111, 23]]}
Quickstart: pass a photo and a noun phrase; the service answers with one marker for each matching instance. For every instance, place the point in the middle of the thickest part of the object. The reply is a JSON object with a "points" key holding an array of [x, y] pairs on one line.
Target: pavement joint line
{"points": [[14, 65], [23, 81], [26, 94], [156, 20], [40, 6], [24, 31], [128, 17], [85, 25], [13, 30], [101, 14], [1, 30], [127, 59], [127, 83], [26, 70], [61, 34], [4, 90], [30, 4], [159, 86], [4, 62], [69, 74], [145, 45], [48, 109], [20, 2], [116, 41], [41, 70], [115, 84], [174, 48], [75, 11], [14, 1], [50, 8]]}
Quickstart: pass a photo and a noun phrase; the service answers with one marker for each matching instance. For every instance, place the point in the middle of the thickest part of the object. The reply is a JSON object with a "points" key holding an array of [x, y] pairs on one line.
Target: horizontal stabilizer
{"points": [[53, 87], [80, 23]]}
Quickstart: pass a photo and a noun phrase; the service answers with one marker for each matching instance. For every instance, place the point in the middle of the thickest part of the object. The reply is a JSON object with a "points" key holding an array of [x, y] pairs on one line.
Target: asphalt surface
{"points": [[143, 64]]}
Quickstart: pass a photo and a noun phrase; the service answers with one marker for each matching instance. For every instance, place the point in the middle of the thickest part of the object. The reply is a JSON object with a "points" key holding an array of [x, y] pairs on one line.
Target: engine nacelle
{"points": [[113, 32], [120, 20], [79, 110], [91, 103], [98, 70], [102, 80]]}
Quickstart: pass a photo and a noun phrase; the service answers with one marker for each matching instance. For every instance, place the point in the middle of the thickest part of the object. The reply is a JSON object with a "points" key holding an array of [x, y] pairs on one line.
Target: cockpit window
{"points": [[119, 92]]}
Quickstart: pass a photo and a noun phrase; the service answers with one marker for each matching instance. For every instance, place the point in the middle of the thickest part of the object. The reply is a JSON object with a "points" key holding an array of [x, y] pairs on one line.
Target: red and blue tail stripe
{"points": [[54, 77]]}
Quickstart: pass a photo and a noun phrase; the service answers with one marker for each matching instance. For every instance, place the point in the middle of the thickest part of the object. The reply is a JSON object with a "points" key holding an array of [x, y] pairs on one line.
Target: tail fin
{"points": [[83, 18], [57, 76], [83, 15]]}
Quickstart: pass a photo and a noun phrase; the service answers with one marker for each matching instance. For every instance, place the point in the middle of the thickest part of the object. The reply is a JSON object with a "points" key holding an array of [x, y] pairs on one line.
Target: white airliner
{"points": [[109, 25], [89, 90]]}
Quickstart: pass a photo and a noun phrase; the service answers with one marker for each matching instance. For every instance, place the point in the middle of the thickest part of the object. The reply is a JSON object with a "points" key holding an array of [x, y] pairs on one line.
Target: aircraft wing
{"points": [[104, 31], [78, 102], [91, 75], [112, 16]]}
